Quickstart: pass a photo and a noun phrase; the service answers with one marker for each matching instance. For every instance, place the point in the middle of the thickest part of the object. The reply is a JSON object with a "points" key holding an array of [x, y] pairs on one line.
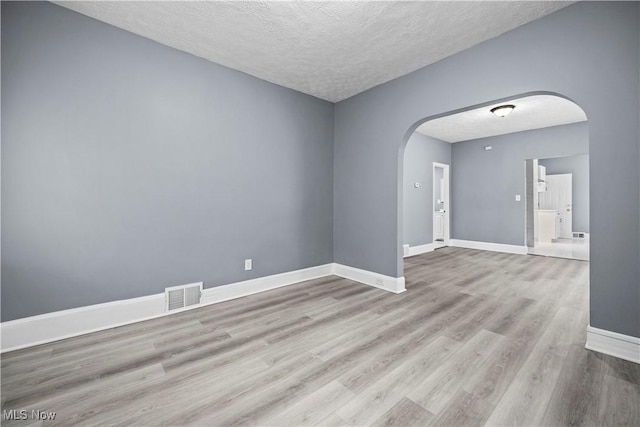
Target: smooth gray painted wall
{"points": [[578, 166], [419, 156], [588, 52], [485, 183], [128, 166]]}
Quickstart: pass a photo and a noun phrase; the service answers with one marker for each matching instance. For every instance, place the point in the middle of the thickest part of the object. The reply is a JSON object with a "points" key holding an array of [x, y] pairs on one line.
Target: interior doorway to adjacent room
{"points": [[557, 214], [441, 220], [485, 146]]}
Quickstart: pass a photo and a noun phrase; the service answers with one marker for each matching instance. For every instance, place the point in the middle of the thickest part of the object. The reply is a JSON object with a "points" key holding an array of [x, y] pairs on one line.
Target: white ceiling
{"points": [[331, 50], [531, 112]]}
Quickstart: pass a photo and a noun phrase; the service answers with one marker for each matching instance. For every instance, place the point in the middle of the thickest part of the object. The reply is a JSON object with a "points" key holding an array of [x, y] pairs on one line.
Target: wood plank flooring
{"points": [[479, 338]]}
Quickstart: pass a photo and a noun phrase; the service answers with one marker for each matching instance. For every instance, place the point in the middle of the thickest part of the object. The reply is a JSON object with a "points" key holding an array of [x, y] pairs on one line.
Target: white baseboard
{"points": [[49, 327], [261, 284], [419, 249], [388, 283], [44, 328], [486, 246], [614, 344]]}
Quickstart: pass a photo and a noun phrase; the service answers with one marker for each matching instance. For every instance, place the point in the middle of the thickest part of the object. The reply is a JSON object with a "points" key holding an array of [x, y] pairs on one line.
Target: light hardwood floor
{"points": [[479, 338]]}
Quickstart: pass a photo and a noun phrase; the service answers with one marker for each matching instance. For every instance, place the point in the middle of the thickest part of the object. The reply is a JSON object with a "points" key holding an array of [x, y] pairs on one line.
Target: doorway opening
{"points": [[485, 204], [426, 194], [441, 220], [557, 214]]}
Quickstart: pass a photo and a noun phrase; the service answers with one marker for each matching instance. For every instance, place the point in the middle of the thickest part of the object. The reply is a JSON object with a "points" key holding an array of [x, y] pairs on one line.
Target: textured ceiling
{"points": [[531, 112], [331, 50]]}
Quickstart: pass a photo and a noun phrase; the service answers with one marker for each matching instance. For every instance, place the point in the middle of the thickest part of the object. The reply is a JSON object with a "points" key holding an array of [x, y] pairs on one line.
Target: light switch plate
{"points": [[517, 197]]}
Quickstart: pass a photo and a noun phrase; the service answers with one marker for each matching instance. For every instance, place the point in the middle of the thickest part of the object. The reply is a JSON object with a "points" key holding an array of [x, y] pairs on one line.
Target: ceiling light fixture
{"points": [[503, 110]]}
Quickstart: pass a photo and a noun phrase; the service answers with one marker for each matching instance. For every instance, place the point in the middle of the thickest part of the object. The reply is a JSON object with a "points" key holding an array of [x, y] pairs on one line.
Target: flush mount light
{"points": [[503, 110]]}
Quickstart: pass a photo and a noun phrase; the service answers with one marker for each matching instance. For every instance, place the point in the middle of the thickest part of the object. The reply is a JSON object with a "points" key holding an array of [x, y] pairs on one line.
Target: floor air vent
{"points": [[178, 297]]}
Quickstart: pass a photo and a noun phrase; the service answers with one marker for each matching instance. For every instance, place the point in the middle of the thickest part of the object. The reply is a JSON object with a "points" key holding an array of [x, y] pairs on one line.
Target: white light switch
{"points": [[248, 264], [517, 197]]}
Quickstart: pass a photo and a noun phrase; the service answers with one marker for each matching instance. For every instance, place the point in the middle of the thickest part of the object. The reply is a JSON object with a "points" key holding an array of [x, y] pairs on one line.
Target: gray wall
{"points": [[588, 52], [578, 166], [484, 183], [128, 166], [97, 123], [419, 156]]}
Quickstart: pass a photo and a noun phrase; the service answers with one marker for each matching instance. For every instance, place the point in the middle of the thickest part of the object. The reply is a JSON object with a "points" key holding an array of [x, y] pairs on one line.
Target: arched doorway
{"points": [[487, 207]]}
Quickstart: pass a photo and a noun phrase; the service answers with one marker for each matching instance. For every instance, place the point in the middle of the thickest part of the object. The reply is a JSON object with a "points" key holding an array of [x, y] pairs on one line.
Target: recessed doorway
{"points": [[441, 222], [557, 214]]}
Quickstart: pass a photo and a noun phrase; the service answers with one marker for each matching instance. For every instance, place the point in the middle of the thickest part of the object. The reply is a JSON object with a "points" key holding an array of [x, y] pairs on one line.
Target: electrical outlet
{"points": [[248, 264]]}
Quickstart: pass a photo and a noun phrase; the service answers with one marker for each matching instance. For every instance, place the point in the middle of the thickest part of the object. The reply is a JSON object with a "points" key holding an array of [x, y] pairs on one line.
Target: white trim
{"points": [[49, 327], [405, 251], [614, 344], [388, 283], [261, 284], [420, 249], [45, 328], [486, 246]]}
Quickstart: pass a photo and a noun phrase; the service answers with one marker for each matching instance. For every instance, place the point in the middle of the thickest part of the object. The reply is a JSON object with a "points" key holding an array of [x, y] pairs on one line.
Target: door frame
{"points": [[447, 201]]}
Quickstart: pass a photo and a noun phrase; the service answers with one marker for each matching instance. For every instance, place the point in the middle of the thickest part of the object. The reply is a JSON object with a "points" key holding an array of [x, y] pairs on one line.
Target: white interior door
{"points": [[559, 197], [438, 227], [440, 205], [565, 205]]}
